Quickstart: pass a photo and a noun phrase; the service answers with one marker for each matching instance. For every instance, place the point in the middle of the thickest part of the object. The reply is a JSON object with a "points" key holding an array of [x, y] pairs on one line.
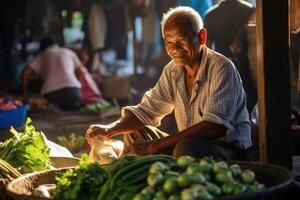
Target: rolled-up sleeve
{"points": [[156, 103], [224, 96]]}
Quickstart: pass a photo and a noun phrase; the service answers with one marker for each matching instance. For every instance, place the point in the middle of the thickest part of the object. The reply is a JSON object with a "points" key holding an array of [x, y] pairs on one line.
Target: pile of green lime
{"points": [[189, 179]]}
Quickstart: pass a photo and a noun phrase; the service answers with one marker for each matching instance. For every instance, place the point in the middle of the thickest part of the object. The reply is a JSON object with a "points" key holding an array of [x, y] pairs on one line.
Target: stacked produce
{"points": [[26, 151], [122, 179], [72, 142], [102, 105], [37, 103], [190, 179], [7, 171], [8, 104], [83, 182], [155, 177]]}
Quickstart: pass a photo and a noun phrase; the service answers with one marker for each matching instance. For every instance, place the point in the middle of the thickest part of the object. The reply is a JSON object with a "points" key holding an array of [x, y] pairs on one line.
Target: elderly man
{"points": [[201, 86]]}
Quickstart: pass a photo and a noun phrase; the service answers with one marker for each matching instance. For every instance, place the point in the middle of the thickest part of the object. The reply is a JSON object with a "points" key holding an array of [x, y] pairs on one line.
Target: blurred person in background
{"points": [[59, 68]]}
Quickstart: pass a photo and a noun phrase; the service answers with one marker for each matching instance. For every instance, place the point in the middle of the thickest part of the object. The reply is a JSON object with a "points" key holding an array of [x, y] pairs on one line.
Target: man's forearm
{"points": [[127, 124], [204, 130]]}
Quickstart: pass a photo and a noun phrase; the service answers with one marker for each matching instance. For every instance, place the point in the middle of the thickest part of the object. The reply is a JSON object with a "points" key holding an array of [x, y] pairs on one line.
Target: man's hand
{"points": [[98, 130]]}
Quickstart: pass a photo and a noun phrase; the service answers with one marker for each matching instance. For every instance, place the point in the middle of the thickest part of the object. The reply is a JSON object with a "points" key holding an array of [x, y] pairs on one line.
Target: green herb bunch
{"points": [[83, 182], [26, 151]]}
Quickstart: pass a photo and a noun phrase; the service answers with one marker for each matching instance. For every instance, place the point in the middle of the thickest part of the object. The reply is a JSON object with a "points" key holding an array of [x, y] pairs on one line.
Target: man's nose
{"points": [[178, 46]]}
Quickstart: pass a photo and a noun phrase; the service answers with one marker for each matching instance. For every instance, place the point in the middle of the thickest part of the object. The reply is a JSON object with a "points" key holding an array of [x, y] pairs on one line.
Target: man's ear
{"points": [[202, 36]]}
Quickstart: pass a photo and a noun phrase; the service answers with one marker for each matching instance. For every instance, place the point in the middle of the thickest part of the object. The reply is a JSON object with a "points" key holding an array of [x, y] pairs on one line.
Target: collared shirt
{"points": [[217, 96]]}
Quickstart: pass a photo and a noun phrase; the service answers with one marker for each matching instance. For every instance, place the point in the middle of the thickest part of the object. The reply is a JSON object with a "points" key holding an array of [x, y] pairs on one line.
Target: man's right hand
{"points": [[102, 131]]}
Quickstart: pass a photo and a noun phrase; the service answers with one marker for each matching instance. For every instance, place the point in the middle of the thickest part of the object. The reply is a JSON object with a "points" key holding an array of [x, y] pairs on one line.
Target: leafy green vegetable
{"points": [[73, 142], [27, 150], [103, 105], [129, 174], [7, 171], [83, 182], [121, 179]]}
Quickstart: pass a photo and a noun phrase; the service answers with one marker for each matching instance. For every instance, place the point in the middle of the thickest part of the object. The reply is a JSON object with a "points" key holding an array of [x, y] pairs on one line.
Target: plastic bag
{"points": [[56, 150], [105, 151], [44, 191]]}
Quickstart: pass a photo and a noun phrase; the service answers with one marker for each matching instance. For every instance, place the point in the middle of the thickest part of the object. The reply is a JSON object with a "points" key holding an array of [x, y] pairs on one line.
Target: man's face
{"points": [[181, 45]]}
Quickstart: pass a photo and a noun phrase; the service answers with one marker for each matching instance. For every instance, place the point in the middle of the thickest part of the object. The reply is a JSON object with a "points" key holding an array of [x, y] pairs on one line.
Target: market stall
{"points": [[156, 177], [160, 176]]}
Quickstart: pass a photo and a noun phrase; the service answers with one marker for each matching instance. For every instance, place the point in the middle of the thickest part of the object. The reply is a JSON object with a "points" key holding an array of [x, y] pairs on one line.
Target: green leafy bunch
{"points": [[83, 182], [27, 150]]}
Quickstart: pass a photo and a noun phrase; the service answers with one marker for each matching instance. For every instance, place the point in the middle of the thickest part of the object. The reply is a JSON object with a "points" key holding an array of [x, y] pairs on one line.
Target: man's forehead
{"points": [[178, 25], [179, 20], [175, 32]]}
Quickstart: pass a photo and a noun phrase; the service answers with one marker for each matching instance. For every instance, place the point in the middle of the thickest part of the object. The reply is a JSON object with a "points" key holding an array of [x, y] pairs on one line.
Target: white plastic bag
{"points": [[44, 191], [105, 151], [56, 150]]}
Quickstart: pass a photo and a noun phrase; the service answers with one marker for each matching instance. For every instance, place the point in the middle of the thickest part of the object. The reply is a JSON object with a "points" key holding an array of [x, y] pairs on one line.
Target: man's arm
{"points": [[27, 72], [127, 124], [204, 130]]}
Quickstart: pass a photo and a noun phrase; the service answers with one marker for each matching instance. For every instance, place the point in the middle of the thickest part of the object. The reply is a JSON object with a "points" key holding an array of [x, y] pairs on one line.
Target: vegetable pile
{"points": [[83, 182], [7, 171], [102, 105], [72, 142], [26, 151], [8, 104], [189, 180], [37, 103], [155, 177], [122, 179]]}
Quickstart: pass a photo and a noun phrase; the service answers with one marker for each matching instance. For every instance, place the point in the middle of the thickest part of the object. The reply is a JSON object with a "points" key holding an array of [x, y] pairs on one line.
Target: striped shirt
{"points": [[217, 96]]}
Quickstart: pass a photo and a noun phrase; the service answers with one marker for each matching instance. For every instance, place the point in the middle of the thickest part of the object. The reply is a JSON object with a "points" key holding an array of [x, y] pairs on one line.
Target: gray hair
{"points": [[193, 15]]}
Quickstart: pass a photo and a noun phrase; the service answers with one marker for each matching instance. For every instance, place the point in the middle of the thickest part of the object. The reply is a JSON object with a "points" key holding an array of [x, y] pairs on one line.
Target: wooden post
{"points": [[294, 14], [274, 82], [261, 84]]}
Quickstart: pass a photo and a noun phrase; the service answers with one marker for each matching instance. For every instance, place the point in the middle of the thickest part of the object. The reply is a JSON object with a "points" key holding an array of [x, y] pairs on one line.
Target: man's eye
{"points": [[181, 42], [169, 45]]}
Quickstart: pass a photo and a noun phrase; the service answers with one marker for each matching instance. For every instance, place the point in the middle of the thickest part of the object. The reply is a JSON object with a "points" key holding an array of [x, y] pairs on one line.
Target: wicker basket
{"points": [[58, 162], [3, 184], [23, 187], [276, 178]]}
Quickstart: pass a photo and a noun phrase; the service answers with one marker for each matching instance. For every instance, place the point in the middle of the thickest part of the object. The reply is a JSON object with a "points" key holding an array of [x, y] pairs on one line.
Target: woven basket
{"points": [[58, 162], [276, 178], [23, 187], [3, 184]]}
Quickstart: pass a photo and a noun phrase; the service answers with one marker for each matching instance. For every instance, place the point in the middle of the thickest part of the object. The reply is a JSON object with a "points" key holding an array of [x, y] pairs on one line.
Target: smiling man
{"points": [[204, 90]]}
